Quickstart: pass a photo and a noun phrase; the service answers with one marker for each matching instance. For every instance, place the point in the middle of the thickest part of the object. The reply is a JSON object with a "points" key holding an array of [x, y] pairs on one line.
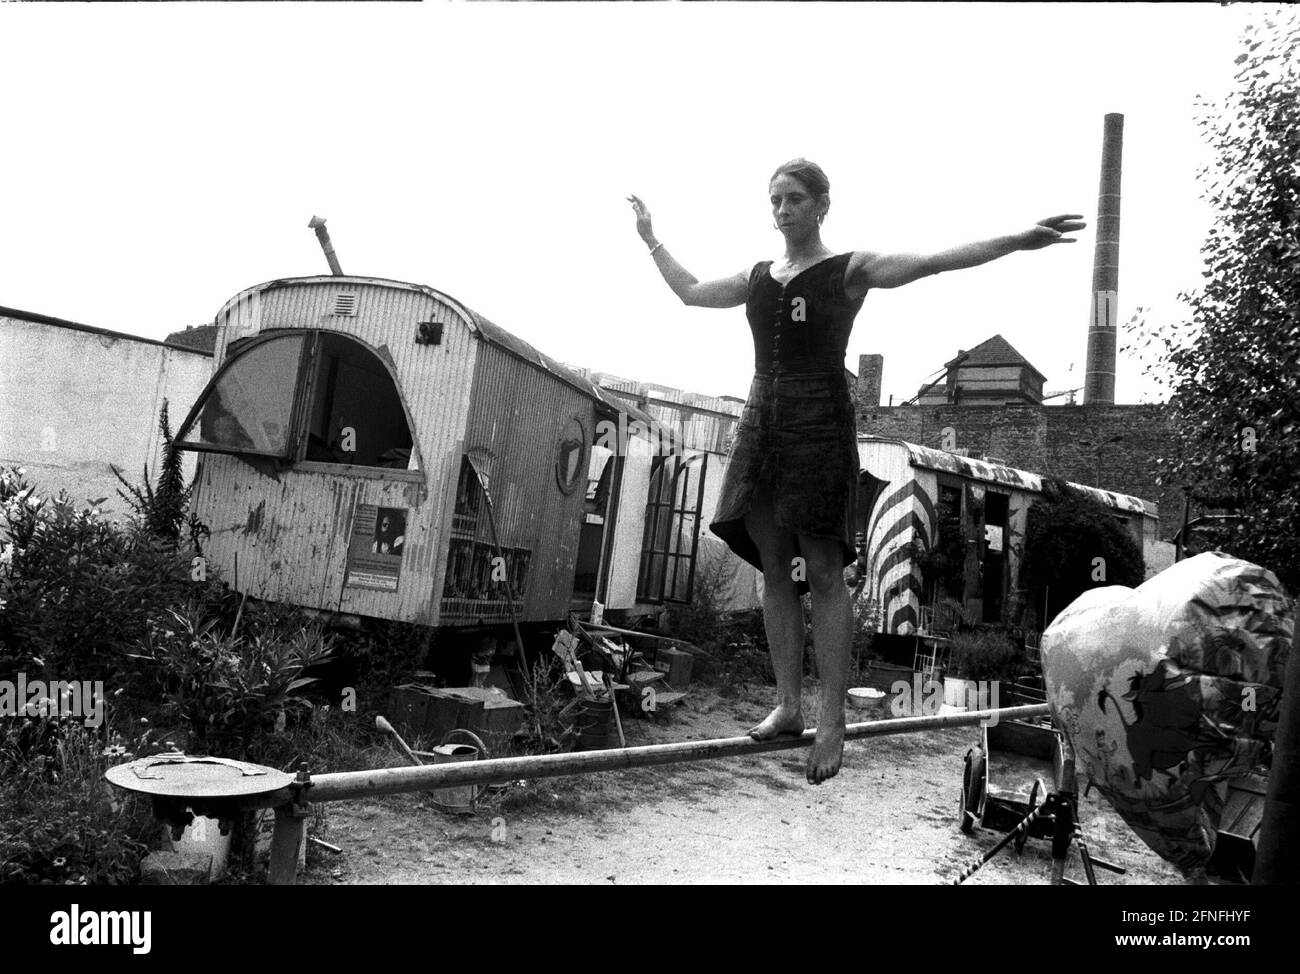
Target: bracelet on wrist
{"points": [[654, 248]]}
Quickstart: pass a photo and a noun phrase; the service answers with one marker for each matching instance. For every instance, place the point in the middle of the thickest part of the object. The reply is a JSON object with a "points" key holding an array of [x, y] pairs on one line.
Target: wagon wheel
{"points": [[1034, 802], [972, 791]]}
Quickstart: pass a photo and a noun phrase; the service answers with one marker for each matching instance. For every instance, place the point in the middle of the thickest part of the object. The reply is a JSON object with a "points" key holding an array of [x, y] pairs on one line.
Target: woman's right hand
{"points": [[643, 226]]}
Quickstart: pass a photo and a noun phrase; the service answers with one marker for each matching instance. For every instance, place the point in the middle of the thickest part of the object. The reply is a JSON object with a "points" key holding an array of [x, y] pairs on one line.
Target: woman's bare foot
{"points": [[827, 752], [782, 720]]}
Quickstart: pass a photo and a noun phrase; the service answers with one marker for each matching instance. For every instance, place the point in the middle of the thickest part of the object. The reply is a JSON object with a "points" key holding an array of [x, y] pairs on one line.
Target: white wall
{"points": [[72, 402]]}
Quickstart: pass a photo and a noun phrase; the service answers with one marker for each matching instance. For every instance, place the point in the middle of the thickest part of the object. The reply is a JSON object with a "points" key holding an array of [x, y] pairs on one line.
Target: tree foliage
{"points": [[1233, 368]]}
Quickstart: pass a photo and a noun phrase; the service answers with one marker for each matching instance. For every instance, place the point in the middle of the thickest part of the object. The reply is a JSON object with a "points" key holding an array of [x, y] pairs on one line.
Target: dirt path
{"points": [[889, 817]]}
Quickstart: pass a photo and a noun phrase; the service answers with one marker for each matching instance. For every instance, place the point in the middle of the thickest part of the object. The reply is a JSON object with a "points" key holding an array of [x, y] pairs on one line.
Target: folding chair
{"points": [[932, 647]]}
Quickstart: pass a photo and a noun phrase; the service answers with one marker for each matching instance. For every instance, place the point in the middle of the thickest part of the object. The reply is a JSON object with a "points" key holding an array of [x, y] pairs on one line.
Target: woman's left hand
{"points": [[1052, 231]]}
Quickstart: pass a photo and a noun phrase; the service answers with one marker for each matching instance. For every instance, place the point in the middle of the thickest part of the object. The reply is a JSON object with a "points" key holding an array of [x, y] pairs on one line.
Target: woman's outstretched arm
{"points": [[868, 270], [727, 292]]}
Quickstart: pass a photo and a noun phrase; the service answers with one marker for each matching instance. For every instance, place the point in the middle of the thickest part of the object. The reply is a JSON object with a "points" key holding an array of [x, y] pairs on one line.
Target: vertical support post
{"points": [[287, 839], [285, 843]]}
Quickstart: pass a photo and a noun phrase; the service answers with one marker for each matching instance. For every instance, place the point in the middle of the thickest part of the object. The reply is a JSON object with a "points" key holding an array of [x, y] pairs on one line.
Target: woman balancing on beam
{"points": [[788, 500]]}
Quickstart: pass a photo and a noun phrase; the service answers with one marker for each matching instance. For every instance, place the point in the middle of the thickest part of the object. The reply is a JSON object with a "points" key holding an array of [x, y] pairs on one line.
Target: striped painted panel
{"points": [[899, 508]]}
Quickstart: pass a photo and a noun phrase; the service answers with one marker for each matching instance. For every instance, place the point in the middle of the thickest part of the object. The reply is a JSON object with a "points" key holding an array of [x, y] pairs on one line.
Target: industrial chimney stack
{"points": [[1099, 380]]}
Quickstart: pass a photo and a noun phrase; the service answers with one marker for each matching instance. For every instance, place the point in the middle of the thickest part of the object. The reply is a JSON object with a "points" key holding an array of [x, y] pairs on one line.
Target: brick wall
{"points": [[1046, 440]]}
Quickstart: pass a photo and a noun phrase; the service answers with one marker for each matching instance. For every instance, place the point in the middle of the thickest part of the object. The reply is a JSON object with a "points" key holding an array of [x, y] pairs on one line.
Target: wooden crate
{"points": [[430, 712]]}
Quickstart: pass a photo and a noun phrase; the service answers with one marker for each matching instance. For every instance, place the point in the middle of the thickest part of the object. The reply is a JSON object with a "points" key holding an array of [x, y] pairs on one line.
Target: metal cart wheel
{"points": [[1035, 799], [972, 791]]}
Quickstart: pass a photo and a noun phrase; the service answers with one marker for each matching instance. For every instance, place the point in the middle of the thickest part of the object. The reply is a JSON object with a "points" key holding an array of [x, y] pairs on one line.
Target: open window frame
{"points": [[301, 395], [667, 541]]}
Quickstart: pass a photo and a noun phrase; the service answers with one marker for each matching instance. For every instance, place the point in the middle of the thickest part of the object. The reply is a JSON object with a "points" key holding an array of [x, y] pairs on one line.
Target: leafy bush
{"points": [[942, 567], [985, 654], [1066, 531], [84, 598], [77, 591], [231, 691]]}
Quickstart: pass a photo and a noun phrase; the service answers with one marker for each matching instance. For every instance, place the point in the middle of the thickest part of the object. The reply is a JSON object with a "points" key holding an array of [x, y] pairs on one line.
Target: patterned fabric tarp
{"points": [[1168, 690]]}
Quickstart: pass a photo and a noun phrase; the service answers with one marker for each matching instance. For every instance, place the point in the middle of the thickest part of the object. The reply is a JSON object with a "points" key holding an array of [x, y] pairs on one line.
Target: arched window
{"points": [[303, 395], [352, 390]]}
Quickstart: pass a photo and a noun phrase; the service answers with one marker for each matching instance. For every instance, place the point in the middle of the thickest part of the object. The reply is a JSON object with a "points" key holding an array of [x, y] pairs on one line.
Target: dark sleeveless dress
{"points": [[798, 431]]}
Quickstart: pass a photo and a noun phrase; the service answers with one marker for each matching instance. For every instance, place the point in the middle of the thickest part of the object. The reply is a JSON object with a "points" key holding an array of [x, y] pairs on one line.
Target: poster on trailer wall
{"points": [[376, 547]]}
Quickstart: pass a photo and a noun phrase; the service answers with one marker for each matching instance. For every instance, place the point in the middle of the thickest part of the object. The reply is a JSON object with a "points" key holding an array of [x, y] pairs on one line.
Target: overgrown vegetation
{"points": [[985, 654], [942, 566], [162, 510], [180, 660], [78, 591], [1074, 543], [60, 823], [232, 692]]}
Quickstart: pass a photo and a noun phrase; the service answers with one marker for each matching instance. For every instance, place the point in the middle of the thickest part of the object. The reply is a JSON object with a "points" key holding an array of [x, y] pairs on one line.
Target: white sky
{"points": [[159, 158]]}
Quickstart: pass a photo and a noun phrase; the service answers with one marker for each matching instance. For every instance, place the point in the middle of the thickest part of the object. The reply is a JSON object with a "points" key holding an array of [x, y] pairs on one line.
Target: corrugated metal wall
{"points": [[517, 417], [291, 537]]}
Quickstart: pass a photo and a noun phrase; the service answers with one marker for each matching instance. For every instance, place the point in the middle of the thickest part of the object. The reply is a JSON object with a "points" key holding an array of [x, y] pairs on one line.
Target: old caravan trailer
{"points": [[909, 492], [347, 435]]}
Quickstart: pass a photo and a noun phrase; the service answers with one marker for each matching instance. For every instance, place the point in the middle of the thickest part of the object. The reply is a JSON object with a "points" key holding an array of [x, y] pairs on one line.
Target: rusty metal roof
{"points": [[996, 473]]}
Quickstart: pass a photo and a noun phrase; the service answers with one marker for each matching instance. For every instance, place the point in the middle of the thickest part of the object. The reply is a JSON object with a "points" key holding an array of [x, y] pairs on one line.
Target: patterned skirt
{"points": [[797, 436]]}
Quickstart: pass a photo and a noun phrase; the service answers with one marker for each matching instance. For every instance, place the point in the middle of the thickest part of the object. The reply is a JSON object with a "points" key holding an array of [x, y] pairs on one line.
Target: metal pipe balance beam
{"points": [[344, 785]]}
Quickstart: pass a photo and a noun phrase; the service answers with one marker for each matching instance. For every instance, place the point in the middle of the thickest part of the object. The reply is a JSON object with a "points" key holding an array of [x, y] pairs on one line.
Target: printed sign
{"points": [[376, 547]]}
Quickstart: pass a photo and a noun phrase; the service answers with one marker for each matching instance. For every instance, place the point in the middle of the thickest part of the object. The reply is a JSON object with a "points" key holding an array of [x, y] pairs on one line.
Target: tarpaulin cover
{"points": [[1168, 690]]}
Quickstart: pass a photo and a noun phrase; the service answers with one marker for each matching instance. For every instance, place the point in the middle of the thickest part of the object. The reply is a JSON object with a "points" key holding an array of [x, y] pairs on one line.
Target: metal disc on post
{"points": [[182, 786], [176, 775]]}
